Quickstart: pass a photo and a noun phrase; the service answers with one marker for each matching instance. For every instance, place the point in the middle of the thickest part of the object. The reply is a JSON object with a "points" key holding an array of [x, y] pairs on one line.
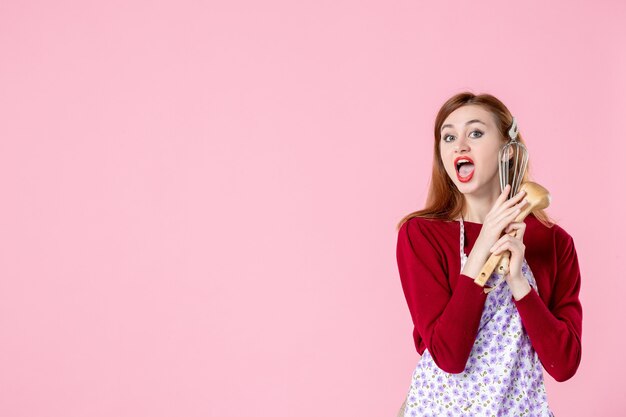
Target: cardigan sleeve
{"points": [[555, 331], [447, 320]]}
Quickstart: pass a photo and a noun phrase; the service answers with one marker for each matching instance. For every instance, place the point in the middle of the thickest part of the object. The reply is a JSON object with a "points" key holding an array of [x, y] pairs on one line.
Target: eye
{"points": [[445, 138], [478, 132]]}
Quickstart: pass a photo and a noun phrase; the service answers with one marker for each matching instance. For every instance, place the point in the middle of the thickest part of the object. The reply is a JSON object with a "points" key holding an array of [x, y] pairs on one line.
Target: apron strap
{"points": [[462, 237]]}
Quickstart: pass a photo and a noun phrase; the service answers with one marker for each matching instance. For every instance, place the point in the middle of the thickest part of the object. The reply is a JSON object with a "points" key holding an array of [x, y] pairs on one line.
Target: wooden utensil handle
{"points": [[503, 265], [488, 268]]}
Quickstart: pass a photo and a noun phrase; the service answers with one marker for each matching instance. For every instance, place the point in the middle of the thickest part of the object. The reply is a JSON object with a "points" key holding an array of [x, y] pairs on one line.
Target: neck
{"points": [[479, 203]]}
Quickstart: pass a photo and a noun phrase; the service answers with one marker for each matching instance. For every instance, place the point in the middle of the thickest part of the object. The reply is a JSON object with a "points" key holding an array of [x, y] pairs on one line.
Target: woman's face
{"points": [[469, 133]]}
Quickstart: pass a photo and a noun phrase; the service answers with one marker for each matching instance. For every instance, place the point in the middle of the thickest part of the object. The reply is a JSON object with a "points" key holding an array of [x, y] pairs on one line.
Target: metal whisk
{"points": [[513, 157], [512, 153]]}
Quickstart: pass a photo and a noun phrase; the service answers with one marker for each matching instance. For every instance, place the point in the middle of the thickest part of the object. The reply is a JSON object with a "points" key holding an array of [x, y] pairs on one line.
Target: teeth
{"points": [[460, 161]]}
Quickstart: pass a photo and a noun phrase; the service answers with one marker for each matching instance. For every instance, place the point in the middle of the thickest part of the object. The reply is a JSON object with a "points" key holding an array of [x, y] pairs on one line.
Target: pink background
{"points": [[199, 199]]}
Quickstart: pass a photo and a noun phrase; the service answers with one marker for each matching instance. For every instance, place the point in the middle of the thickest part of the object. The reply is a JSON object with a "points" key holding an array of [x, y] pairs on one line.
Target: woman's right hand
{"points": [[500, 216]]}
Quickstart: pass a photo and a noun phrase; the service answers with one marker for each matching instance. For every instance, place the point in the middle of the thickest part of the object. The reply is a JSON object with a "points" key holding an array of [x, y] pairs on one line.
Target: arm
{"points": [[446, 320], [556, 332]]}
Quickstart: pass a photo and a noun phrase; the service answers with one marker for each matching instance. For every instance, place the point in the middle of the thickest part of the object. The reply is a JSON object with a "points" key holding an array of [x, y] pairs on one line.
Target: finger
{"points": [[500, 249], [515, 226], [505, 241], [521, 231], [512, 212], [516, 255], [504, 209], [513, 245], [507, 246], [499, 243], [515, 199], [505, 192], [503, 195]]}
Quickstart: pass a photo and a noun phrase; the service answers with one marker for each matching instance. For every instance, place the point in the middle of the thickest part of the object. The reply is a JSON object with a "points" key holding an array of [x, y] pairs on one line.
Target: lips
{"points": [[464, 175]]}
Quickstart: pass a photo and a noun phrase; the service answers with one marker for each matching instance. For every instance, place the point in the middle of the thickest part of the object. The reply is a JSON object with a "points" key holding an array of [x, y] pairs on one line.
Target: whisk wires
{"points": [[513, 161]]}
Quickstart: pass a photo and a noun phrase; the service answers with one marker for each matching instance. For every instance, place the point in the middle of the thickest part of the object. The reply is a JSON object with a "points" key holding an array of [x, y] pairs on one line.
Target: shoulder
{"points": [[424, 226], [425, 233], [564, 243], [543, 234]]}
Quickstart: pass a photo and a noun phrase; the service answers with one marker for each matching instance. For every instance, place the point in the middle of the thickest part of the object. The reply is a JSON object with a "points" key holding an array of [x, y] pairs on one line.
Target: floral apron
{"points": [[503, 375]]}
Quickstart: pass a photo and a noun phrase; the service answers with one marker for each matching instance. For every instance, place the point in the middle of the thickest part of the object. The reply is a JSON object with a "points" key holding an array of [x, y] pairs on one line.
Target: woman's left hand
{"points": [[515, 279]]}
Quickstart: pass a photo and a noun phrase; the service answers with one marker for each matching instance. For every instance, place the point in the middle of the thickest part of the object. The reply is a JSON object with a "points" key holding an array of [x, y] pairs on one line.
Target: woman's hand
{"points": [[515, 279], [499, 217]]}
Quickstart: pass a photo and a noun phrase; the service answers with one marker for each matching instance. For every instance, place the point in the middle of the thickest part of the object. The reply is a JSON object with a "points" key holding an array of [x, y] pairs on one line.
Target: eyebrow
{"points": [[467, 123]]}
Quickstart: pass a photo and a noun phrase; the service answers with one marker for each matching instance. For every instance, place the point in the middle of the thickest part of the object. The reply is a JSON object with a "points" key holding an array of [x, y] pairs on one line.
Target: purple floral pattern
{"points": [[503, 375]]}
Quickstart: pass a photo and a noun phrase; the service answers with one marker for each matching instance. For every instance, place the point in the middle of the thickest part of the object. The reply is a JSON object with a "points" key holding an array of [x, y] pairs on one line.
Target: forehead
{"points": [[460, 116]]}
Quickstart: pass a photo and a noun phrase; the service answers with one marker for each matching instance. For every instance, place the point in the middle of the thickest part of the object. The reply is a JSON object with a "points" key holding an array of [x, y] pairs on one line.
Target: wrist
{"points": [[519, 288]]}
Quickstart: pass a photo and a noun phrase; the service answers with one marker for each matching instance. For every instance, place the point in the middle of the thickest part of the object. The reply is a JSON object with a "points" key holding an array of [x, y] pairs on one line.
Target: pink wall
{"points": [[199, 199]]}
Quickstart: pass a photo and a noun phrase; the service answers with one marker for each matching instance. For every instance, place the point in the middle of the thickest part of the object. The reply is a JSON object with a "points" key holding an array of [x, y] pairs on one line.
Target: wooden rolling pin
{"points": [[538, 199]]}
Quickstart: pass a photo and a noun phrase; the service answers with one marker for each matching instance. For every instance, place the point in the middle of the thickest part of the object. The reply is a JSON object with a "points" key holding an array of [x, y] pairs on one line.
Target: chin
{"points": [[467, 187]]}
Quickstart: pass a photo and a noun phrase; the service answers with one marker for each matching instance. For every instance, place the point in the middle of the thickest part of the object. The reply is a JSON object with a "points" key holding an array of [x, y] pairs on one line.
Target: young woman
{"points": [[483, 353]]}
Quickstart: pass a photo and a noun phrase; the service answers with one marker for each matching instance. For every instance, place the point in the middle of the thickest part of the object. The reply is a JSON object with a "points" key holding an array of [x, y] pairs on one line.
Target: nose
{"points": [[461, 144]]}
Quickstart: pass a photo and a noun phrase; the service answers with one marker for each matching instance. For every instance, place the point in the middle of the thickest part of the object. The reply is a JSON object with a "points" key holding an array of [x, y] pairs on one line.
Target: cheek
{"points": [[490, 164], [445, 160], [445, 155]]}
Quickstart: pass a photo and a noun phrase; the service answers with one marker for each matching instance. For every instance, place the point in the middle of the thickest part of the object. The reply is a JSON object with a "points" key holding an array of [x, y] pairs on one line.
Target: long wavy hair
{"points": [[444, 200]]}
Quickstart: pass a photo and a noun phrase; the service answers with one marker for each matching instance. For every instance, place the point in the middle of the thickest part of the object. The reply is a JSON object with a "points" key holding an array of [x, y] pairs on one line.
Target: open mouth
{"points": [[464, 168]]}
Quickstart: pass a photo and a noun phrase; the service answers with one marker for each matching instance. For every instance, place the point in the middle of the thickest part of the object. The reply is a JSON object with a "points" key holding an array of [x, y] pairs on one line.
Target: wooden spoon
{"points": [[538, 199]]}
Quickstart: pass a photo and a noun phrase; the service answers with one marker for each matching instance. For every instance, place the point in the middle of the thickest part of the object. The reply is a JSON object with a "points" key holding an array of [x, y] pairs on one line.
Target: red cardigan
{"points": [[446, 306]]}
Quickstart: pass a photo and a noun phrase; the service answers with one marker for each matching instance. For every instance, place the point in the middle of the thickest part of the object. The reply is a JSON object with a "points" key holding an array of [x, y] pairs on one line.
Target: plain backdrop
{"points": [[199, 199]]}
